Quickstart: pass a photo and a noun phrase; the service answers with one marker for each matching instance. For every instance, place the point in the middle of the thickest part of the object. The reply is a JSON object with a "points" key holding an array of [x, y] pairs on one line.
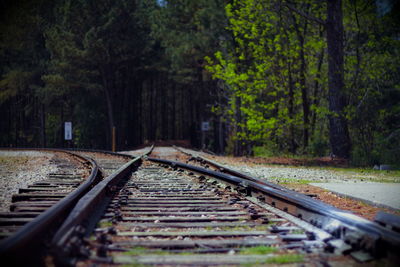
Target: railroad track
{"points": [[30, 202], [153, 211], [37, 211], [171, 213], [162, 216]]}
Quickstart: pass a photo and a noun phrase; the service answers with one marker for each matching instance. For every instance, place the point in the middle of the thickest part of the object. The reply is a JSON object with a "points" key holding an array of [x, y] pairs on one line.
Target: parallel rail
{"points": [[87, 212], [30, 239], [68, 243], [360, 233], [30, 243]]}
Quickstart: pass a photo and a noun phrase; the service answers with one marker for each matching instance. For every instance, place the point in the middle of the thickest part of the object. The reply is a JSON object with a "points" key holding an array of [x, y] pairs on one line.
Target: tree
{"points": [[187, 32], [266, 69], [23, 59], [338, 130], [97, 52]]}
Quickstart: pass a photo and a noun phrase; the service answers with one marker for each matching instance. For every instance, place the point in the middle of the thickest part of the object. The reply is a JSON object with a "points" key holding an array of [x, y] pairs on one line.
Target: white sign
{"points": [[205, 126], [68, 130]]}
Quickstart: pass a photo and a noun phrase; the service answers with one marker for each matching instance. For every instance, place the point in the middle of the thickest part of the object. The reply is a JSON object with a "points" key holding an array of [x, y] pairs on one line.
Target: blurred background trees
{"points": [[258, 71]]}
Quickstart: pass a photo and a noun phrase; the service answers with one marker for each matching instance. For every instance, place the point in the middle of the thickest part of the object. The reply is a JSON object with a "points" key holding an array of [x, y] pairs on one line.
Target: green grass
{"points": [[351, 174], [297, 181], [285, 258], [137, 251], [258, 250], [278, 259], [380, 176], [262, 227], [363, 173], [104, 224], [11, 163], [292, 180]]}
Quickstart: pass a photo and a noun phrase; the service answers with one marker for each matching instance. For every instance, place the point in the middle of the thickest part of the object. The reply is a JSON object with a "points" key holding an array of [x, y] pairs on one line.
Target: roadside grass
{"points": [[291, 180], [386, 176], [358, 174], [389, 176]]}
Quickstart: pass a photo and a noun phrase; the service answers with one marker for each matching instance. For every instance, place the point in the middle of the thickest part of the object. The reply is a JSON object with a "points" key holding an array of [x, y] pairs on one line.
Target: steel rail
{"points": [[100, 151], [232, 172], [27, 244], [67, 242], [359, 232]]}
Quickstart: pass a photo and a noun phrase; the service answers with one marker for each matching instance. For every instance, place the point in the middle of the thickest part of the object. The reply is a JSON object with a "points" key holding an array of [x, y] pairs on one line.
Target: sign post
{"points": [[113, 148], [68, 130], [205, 126]]}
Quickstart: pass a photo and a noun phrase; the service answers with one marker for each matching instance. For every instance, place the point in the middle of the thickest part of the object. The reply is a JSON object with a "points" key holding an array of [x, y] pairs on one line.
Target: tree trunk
{"points": [[302, 80], [338, 131], [238, 149], [43, 125], [164, 122], [316, 90], [220, 135], [110, 112], [304, 94], [293, 146]]}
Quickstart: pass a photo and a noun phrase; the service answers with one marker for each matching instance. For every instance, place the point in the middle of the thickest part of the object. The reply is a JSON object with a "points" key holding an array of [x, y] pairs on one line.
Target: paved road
{"points": [[381, 194]]}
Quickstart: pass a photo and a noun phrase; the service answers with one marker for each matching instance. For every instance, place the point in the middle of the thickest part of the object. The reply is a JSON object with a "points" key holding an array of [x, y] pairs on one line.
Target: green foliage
{"points": [[104, 224], [103, 63], [260, 68], [266, 150], [13, 83], [319, 145], [372, 72], [188, 30], [136, 251], [264, 49]]}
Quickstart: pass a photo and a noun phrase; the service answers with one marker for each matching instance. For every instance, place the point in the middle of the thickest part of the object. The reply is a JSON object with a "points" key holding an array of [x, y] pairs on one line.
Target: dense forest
{"points": [[270, 77]]}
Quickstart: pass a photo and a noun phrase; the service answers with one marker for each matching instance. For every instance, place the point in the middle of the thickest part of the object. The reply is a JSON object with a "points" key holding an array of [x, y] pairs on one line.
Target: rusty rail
{"points": [[27, 245], [358, 232], [67, 242]]}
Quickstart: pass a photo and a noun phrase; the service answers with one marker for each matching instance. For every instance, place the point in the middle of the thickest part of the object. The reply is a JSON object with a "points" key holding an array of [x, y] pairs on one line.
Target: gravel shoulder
{"points": [[19, 169], [306, 174], [364, 192]]}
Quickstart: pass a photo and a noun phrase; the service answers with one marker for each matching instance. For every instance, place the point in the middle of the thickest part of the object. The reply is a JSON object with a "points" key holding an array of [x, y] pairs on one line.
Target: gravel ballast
{"points": [[18, 169], [362, 192]]}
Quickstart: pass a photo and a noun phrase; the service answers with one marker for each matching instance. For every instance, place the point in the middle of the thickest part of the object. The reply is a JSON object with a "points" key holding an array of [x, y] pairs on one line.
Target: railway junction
{"points": [[199, 133], [170, 206]]}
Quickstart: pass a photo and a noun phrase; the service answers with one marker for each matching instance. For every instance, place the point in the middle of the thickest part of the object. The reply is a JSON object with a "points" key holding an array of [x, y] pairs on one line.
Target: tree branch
{"points": [[305, 15]]}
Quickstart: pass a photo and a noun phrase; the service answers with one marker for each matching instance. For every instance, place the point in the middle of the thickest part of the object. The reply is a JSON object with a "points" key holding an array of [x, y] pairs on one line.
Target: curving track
{"points": [[41, 195], [152, 211], [38, 210]]}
